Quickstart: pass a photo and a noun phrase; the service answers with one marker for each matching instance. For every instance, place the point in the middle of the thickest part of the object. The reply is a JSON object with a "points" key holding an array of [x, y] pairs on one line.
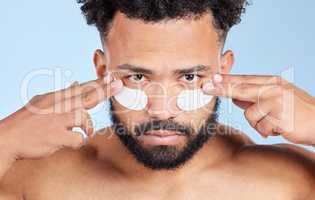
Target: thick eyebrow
{"points": [[143, 70], [189, 70], [136, 69]]}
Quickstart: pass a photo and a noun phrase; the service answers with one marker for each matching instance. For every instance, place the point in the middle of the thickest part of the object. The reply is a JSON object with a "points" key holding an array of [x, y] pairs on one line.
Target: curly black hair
{"points": [[226, 13]]}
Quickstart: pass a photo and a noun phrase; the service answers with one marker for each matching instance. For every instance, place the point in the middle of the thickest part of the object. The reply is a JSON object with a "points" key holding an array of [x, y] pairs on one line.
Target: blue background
{"points": [[52, 35]]}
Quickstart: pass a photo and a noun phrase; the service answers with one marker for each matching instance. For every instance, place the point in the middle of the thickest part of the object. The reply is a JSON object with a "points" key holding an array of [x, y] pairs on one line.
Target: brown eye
{"points": [[136, 78], [190, 78]]}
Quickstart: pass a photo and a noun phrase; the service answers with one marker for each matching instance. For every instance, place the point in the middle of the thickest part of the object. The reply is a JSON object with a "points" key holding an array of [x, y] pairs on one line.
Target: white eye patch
{"points": [[132, 99], [189, 100], [135, 99]]}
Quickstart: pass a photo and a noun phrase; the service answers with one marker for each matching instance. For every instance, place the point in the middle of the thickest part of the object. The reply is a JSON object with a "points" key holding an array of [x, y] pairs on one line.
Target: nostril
{"points": [[161, 116], [156, 112]]}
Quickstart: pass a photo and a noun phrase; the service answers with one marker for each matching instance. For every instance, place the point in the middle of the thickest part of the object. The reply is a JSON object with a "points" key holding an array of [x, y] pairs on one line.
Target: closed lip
{"points": [[162, 133]]}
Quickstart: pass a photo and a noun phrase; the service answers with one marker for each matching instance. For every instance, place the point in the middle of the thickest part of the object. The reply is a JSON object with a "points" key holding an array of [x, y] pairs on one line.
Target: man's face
{"points": [[163, 59]]}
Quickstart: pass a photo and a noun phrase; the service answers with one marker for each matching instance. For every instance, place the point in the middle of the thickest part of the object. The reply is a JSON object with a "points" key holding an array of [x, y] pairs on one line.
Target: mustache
{"points": [[167, 125]]}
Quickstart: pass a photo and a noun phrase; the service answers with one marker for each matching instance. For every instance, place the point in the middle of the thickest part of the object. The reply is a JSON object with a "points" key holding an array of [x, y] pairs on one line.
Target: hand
{"points": [[45, 124], [272, 105]]}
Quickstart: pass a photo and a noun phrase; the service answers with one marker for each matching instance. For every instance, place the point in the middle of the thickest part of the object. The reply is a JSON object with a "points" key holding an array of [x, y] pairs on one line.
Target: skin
{"points": [[270, 104], [229, 166]]}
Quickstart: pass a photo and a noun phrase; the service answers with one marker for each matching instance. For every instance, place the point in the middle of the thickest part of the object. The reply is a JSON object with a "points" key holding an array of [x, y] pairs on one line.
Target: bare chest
{"points": [[196, 189]]}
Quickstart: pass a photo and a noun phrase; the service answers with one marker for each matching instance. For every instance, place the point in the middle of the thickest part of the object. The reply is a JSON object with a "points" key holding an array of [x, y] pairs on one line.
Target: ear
{"points": [[99, 60], [227, 62]]}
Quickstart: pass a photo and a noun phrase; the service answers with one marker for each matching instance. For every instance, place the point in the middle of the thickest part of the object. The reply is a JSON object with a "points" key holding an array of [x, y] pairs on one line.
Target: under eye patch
{"points": [[133, 99], [187, 100]]}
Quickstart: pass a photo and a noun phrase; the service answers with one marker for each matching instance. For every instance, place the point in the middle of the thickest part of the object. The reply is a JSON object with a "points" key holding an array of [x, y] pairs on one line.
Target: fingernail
{"points": [[218, 78], [74, 84], [108, 78], [208, 86]]}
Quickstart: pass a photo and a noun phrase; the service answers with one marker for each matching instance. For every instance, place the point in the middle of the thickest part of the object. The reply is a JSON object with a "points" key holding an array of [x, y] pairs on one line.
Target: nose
{"points": [[162, 101]]}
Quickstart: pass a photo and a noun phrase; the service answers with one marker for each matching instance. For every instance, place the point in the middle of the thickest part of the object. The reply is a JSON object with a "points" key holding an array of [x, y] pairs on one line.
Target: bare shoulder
{"points": [[288, 166], [66, 167], [33, 174]]}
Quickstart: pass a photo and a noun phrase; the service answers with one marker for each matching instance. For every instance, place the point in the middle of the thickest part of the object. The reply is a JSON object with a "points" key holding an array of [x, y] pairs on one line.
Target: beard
{"points": [[165, 156]]}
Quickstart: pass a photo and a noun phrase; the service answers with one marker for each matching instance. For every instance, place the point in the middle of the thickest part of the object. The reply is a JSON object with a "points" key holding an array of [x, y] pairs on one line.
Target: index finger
{"points": [[249, 79], [93, 85], [243, 91], [92, 98], [78, 89]]}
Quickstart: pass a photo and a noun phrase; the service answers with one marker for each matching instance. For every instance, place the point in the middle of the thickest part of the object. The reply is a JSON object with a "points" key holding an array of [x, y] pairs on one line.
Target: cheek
{"points": [[129, 118], [197, 117]]}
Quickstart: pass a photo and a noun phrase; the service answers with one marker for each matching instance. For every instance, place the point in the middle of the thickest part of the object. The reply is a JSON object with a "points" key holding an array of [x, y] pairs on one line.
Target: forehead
{"points": [[171, 43]]}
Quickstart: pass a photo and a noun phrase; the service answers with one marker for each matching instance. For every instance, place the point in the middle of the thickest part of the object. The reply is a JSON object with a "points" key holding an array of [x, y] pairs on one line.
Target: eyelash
{"points": [[198, 77], [183, 76], [131, 75]]}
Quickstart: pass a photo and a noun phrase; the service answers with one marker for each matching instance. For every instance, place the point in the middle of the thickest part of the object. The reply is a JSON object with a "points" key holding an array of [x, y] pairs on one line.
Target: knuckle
{"points": [[287, 90], [37, 105], [88, 100], [91, 86], [49, 94], [248, 114], [277, 79], [260, 128], [37, 97], [86, 97], [77, 89]]}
